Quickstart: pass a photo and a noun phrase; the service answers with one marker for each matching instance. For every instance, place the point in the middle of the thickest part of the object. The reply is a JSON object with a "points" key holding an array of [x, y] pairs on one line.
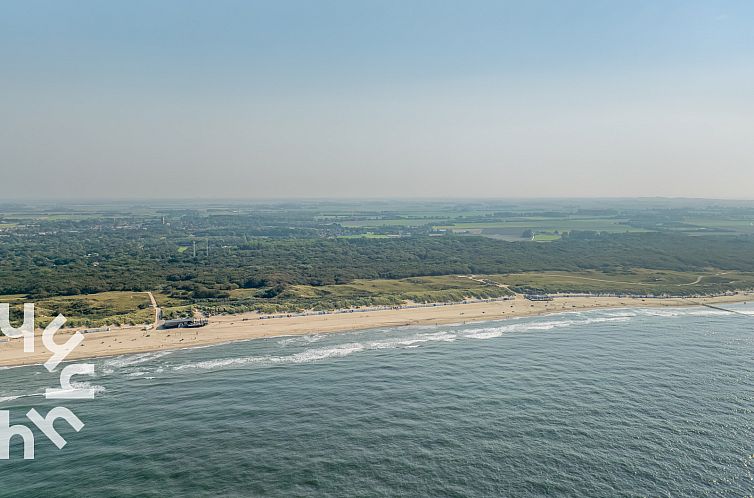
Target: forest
{"points": [[320, 255], [256, 254], [71, 263]]}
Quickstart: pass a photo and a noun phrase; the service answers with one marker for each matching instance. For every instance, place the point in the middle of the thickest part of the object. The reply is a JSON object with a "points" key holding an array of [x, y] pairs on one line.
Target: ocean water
{"points": [[619, 402]]}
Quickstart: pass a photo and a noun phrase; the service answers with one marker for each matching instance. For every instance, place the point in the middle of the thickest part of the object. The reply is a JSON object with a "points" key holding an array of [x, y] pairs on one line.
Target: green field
{"points": [[490, 224], [386, 222], [98, 310], [378, 292], [729, 225], [368, 235], [90, 310], [549, 225], [636, 281], [545, 237]]}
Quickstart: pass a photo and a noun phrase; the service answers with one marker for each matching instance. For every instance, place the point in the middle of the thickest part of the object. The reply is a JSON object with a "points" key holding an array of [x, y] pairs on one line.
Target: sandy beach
{"points": [[222, 329]]}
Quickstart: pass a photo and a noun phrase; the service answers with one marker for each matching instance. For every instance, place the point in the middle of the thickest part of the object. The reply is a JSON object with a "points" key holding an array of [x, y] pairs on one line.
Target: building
{"points": [[180, 323], [538, 297]]}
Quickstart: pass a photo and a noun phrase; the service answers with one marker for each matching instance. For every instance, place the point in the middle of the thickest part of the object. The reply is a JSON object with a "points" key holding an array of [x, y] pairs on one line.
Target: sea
{"points": [[619, 402]]}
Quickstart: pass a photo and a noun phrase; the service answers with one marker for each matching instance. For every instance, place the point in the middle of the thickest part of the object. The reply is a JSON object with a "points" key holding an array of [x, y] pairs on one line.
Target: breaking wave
{"points": [[300, 339], [415, 340], [109, 366], [3, 399], [135, 365], [76, 385]]}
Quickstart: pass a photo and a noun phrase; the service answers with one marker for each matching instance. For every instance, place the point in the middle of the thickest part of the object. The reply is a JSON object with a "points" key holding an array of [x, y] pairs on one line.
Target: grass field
{"points": [[454, 288], [368, 235], [378, 293], [507, 228], [398, 222], [90, 310], [545, 237], [637, 281], [564, 224], [736, 226]]}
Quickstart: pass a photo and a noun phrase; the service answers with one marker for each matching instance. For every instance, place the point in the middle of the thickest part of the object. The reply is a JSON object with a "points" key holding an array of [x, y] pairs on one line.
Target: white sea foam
{"points": [[485, 333], [302, 357], [301, 339], [19, 396], [86, 385], [492, 332], [412, 341], [420, 337], [674, 312], [109, 366], [13, 367]]}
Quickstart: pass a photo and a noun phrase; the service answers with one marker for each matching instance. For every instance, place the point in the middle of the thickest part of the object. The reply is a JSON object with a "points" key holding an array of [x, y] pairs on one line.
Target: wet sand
{"points": [[222, 329]]}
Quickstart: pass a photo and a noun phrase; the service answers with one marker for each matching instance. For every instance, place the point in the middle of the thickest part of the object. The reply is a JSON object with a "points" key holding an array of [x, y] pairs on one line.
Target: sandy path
{"points": [[157, 310]]}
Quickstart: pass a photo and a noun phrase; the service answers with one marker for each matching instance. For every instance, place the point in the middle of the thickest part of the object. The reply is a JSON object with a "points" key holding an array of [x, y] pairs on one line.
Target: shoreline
{"points": [[247, 326]]}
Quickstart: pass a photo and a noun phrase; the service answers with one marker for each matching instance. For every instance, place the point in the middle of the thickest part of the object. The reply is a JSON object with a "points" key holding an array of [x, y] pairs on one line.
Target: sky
{"points": [[361, 98]]}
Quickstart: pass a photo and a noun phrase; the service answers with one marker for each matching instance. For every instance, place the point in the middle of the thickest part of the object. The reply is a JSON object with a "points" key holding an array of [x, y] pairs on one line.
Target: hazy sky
{"points": [[376, 98]]}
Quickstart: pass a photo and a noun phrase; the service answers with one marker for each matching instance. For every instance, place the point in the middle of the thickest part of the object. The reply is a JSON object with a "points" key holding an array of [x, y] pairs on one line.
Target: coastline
{"points": [[246, 326]]}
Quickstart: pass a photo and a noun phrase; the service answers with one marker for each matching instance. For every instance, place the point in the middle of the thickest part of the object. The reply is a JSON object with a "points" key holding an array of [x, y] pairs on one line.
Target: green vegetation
{"points": [[391, 222], [368, 235], [92, 310], [628, 281], [563, 224], [320, 255], [377, 292], [546, 237]]}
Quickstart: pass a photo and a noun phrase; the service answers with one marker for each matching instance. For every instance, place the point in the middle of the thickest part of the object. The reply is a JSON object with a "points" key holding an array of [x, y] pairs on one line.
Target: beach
{"points": [[648, 401], [247, 326]]}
